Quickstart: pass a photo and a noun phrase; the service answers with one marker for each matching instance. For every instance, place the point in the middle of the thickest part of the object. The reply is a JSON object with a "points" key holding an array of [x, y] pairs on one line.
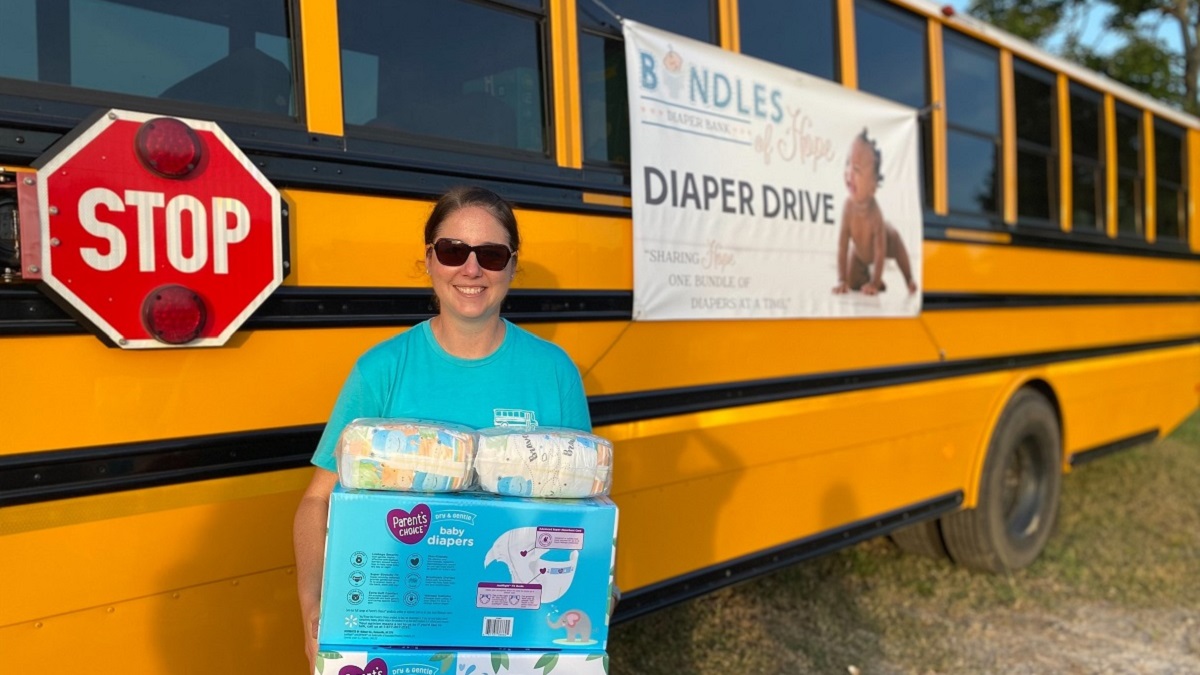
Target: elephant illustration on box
{"points": [[577, 624]]}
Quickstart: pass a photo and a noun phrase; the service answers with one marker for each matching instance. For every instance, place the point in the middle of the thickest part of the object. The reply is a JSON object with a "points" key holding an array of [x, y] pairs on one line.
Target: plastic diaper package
{"points": [[543, 462], [405, 455]]}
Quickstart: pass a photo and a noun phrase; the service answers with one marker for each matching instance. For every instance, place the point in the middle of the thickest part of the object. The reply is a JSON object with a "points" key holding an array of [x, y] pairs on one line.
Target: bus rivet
{"points": [[28, 180], [54, 241], [54, 210], [122, 341], [34, 269], [112, 115]]}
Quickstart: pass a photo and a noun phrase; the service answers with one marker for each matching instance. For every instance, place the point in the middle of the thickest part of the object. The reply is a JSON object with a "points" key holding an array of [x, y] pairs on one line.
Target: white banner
{"points": [[763, 192]]}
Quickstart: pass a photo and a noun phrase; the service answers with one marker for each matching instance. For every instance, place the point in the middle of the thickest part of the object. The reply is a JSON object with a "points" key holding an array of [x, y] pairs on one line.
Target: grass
{"points": [[1124, 558]]}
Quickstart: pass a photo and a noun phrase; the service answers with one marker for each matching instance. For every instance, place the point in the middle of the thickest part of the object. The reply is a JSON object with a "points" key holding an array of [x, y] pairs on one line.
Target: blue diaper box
{"points": [[441, 662], [467, 571]]}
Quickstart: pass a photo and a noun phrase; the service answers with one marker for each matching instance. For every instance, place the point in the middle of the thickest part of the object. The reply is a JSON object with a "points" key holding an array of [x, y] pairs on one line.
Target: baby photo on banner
{"points": [[764, 192]]}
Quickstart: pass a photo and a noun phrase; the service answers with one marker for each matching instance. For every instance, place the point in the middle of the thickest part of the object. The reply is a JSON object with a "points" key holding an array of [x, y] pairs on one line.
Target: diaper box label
{"points": [[467, 571], [439, 662]]}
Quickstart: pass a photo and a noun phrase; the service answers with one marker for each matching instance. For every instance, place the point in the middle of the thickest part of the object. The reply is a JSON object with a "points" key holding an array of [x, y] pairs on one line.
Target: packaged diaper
{"points": [[405, 455], [403, 661], [543, 462]]}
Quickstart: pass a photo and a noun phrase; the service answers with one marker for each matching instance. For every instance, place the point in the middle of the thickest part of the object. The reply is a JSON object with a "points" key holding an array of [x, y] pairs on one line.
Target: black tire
{"points": [[1018, 491], [921, 539]]}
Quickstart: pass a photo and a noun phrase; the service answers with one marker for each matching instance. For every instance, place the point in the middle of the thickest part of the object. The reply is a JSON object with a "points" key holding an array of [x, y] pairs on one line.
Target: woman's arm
{"points": [[308, 535]]}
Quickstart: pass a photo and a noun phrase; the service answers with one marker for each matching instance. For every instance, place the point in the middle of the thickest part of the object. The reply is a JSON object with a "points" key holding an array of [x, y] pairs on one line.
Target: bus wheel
{"points": [[1018, 491], [921, 539]]}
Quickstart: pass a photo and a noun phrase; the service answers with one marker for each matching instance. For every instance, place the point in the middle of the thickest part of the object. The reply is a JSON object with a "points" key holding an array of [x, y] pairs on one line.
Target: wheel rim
{"points": [[1022, 490]]}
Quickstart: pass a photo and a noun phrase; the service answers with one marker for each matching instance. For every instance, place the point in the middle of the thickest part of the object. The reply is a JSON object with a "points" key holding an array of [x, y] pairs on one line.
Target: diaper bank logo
{"points": [[409, 527], [704, 88]]}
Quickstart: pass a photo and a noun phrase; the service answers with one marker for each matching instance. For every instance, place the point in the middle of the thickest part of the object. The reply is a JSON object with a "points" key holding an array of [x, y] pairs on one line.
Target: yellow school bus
{"points": [[146, 495]]}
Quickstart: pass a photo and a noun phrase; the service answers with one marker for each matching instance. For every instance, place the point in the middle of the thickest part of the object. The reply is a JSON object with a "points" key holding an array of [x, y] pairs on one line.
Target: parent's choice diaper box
{"points": [[441, 662], [467, 570]]}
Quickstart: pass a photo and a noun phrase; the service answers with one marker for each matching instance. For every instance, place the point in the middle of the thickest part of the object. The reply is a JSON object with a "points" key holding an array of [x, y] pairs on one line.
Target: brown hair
{"points": [[462, 197]]}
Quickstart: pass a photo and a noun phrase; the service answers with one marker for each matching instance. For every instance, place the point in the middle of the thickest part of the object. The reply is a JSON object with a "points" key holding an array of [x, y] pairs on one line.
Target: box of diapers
{"points": [[440, 662], [467, 570]]}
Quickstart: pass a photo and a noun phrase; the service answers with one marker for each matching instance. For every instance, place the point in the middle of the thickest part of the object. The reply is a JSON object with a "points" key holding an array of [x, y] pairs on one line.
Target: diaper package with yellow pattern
{"points": [[405, 455], [543, 462]]}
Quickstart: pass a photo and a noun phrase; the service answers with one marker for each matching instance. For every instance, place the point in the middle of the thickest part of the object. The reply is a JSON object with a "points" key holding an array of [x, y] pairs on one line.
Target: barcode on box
{"points": [[497, 626]]}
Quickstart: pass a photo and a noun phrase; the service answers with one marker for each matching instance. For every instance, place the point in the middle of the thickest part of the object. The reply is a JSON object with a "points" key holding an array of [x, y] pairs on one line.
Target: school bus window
{"points": [[18, 49], [1087, 160], [972, 125], [235, 55], [602, 65], [1129, 171], [798, 34], [1170, 174], [1037, 147], [892, 54], [460, 71]]}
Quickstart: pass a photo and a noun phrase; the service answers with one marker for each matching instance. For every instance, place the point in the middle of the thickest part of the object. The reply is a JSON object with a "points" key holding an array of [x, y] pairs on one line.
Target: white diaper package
{"points": [[405, 455], [543, 462]]}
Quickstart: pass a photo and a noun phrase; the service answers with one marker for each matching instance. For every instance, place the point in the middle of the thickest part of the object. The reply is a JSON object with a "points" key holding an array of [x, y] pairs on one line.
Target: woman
{"points": [[466, 365]]}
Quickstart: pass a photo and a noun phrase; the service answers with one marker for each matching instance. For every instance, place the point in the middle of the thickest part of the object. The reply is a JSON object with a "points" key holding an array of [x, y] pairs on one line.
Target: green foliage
{"points": [[1031, 21], [1142, 61]]}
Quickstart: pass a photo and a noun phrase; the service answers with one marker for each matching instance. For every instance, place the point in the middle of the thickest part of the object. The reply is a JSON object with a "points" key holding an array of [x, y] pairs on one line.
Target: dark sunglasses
{"points": [[454, 253]]}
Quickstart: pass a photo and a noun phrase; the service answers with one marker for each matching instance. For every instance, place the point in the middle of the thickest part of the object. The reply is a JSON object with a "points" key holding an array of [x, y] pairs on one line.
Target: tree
{"points": [[1142, 61]]}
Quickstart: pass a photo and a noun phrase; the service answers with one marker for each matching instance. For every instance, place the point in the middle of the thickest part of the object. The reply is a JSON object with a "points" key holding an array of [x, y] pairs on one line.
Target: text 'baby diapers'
{"points": [[403, 454], [466, 571], [543, 462]]}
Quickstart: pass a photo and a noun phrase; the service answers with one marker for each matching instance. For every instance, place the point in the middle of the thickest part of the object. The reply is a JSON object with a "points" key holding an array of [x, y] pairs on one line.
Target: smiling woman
{"points": [[466, 365]]}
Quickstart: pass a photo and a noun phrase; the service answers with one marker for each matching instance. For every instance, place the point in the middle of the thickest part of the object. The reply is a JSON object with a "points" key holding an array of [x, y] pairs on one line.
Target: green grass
{"points": [[1127, 539]]}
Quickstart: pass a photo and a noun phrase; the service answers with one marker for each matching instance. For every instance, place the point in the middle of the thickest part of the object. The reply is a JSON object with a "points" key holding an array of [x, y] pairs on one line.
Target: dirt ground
{"points": [[1085, 639], [1117, 591]]}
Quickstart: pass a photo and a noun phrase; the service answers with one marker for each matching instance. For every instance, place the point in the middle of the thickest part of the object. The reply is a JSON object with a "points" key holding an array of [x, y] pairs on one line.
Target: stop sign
{"points": [[146, 220]]}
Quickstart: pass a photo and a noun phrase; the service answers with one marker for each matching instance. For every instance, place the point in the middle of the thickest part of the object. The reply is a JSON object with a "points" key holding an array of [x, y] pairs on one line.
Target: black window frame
{"points": [[985, 218], [1166, 129], [441, 148], [1128, 120], [1096, 166], [592, 22], [70, 96], [835, 61], [1037, 148]]}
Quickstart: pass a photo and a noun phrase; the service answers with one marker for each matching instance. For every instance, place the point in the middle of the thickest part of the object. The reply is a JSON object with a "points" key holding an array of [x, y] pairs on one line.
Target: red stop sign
{"points": [[117, 227]]}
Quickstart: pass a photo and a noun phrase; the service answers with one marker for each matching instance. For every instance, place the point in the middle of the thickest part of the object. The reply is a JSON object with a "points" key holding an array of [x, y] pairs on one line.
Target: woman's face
{"points": [[469, 292]]}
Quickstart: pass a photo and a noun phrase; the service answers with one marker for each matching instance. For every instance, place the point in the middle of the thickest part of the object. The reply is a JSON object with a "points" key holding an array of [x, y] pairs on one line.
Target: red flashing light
{"points": [[948, 11], [168, 147], [174, 314]]}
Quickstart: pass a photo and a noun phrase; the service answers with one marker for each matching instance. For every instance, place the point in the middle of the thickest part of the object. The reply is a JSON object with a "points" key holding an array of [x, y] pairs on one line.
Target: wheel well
{"points": [[1043, 387]]}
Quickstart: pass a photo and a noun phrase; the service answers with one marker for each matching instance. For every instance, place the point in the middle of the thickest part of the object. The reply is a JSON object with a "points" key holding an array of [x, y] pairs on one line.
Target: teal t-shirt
{"points": [[410, 375]]}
